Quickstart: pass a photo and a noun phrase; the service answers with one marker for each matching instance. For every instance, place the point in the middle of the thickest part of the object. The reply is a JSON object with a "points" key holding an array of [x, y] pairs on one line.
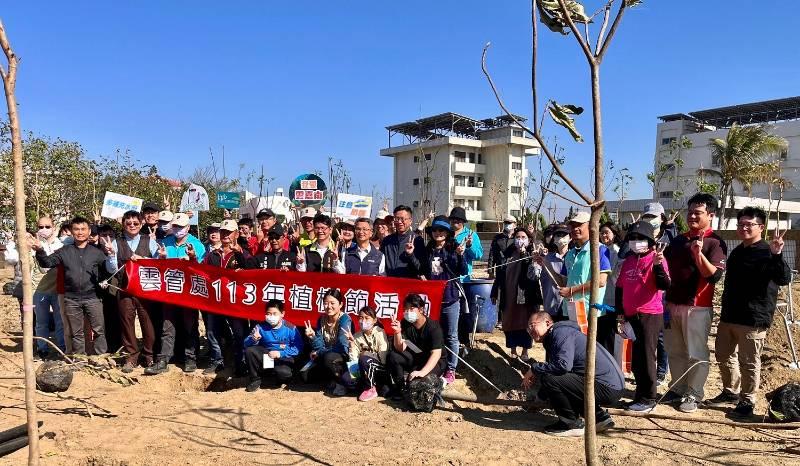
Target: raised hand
{"points": [[309, 329], [635, 218], [108, 246], [255, 334], [697, 245], [776, 245], [191, 252], [460, 249], [34, 242], [468, 241], [301, 255], [672, 217], [348, 335], [395, 326], [659, 257], [410, 245]]}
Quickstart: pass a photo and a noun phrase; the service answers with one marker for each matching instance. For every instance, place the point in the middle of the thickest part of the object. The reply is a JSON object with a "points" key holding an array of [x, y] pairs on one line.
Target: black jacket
{"points": [[273, 260], [238, 260], [752, 277], [500, 244], [82, 267], [565, 347], [393, 247]]}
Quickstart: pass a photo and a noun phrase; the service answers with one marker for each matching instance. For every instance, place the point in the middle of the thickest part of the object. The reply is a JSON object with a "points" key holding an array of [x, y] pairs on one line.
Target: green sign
{"points": [[227, 200]]}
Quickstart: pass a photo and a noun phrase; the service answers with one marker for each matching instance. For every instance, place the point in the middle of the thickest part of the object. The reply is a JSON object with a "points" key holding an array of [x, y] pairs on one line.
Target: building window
{"points": [[784, 154], [416, 159], [477, 204], [460, 156], [516, 165], [472, 157], [416, 182], [667, 141], [459, 202], [517, 133], [427, 156], [516, 189], [665, 194], [460, 180], [516, 213], [480, 159], [416, 204]]}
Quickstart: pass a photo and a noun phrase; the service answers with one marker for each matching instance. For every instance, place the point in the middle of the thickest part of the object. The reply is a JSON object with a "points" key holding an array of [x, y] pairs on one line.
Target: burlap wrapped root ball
{"points": [[54, 376]]}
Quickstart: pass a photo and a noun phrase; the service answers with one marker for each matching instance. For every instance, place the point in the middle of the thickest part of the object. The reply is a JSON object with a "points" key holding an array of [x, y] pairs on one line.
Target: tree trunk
{"points": [[9, 84], [724, 194], [590, 436]]}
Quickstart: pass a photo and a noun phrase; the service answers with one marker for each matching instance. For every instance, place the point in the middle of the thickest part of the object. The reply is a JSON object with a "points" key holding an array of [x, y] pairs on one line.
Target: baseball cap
{"points": [[654, 208], [150, 207], [165, 216], [580, 217], [382, 214], [180, 220], [213, 227], [229, 225], [509, 219], [264, 213], [308, 212]]}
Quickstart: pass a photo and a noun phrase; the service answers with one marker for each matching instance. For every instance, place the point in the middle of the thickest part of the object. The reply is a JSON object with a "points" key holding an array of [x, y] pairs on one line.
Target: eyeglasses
{"points": [[132, 224], [363, 229], [45, 227], [402, 219], [747, 226]]}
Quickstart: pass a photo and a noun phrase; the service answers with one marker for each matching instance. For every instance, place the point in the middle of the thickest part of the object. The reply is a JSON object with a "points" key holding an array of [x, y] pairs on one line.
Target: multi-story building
{"points": [[451, 160], [676, 166]]}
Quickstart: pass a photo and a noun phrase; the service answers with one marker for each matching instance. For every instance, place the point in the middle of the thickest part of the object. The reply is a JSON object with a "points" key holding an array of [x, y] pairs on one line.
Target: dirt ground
{"points": [[176, 419]]}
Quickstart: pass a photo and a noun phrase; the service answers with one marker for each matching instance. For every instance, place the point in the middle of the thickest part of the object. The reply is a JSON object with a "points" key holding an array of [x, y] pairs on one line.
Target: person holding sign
{"points": [[271, 347], [416, 346], [133, 246], [329, 342]]}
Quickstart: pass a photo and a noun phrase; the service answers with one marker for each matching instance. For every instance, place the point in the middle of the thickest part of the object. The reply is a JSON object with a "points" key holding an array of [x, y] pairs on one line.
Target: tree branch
{"points": [[534, 55], [582, 204], [606, 14], [536, 136], [581, 41], [613, 30]]}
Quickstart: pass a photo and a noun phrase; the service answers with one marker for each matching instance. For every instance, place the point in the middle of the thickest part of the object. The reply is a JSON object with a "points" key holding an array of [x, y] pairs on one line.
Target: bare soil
{"points": [[176, 419]]}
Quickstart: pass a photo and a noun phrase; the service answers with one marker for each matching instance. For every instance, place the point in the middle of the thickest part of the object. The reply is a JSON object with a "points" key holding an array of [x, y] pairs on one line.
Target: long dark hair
{"points": [[618, 237], [336, 294]]}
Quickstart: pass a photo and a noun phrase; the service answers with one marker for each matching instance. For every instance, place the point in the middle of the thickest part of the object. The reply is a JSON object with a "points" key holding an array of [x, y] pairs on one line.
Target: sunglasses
{"points": [[45, 227], [132, 224]]}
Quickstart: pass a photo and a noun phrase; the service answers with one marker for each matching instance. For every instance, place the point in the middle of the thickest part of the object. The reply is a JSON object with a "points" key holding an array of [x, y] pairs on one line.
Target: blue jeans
{"points": [[449, 321], [43, 302], [213, 323], [663, 361]]}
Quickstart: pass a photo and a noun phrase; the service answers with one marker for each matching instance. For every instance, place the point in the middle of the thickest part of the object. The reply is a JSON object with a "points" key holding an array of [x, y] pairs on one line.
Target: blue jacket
{"points": [[176, 252], [285, 339], [341, 345], [565, 347], [473, 253]]}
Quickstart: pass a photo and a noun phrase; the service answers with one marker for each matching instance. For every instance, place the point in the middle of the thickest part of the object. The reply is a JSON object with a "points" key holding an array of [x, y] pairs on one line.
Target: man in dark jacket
{"points": [[755, 269], [362, 258], [562, 375], [500, 244], [82, 263], [393, 245], [275, 257]]}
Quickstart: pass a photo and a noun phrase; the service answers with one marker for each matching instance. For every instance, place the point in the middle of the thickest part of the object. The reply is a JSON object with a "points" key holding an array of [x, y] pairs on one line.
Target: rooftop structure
{"points": [[768, 111], [447, 124]]}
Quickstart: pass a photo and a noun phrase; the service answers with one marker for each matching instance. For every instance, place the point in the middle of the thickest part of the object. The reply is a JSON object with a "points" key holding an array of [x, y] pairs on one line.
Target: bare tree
{"points": [[9, 85], [430, 181], [496, 189], [561, 16]]}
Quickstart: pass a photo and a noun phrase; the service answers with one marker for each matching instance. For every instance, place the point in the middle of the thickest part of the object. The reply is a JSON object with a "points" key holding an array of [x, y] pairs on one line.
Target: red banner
{"points": [[244, 293]]}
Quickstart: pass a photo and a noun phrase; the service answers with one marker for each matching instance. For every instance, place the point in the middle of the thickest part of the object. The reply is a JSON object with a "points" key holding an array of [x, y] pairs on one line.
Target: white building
{"points": [[782, 117], [451, 160]]}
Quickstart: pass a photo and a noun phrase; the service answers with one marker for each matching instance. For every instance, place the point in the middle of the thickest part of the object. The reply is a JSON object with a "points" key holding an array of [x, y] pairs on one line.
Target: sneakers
{"points": [[725, 398], [525, 357], [253, 385], [128, 367], [688, 404], [368, 394], [562, 429], [213, 368], [339, 390], [158, 368], [449, 377], [671, 397], [190, 366], [660, 379], [641, 406], [604, 422], [743, 410]]}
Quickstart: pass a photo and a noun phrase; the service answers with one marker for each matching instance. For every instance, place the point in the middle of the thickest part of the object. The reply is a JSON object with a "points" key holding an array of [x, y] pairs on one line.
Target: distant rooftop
{"points": [[744, 114], [448, 124]]}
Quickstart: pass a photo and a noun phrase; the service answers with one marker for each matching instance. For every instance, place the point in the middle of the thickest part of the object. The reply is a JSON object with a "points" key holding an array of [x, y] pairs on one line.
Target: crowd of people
{"points": [[656, 288]]}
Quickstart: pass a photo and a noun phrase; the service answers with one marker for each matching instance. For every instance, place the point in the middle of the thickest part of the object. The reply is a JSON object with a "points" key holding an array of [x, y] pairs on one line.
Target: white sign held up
{"points": [[115, 205]]}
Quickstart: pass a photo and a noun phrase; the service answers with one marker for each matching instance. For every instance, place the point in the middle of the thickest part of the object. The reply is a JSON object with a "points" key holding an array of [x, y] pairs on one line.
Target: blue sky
{"points": [[288, 84]]}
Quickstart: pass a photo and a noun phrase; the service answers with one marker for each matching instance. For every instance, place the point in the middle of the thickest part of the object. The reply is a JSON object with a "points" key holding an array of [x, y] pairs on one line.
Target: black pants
{"points": [[398, 364], [646, 327], [329, 367], [254, 355], [179, 319], [566, 396], [607, 331], [113, 322]]}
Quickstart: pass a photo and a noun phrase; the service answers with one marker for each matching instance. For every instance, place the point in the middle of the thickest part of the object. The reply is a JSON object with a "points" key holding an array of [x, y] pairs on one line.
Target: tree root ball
{"points": [[53, 376]]}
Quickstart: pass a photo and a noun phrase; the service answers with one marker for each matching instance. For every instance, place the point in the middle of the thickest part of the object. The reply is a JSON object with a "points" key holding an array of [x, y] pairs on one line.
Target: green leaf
{"points": [[633, 3], [561, 116], [553, 17]]}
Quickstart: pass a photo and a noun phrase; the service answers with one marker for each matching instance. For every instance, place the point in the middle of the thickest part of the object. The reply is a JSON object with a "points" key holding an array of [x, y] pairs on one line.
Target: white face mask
{"points": [[655, 221], [521, 243], [562, 241], [365, 325], [273, 320], [165, 227], [638, 246], [180, 233], [410, 316], [509, 227], [45, 233]]}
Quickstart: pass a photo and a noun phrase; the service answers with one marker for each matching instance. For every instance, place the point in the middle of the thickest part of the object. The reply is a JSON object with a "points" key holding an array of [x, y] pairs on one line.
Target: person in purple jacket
{"points": [[271, 347]]}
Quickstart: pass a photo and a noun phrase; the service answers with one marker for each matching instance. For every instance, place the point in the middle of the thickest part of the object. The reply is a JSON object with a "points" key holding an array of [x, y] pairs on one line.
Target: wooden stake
{"points": [[9, 85]]}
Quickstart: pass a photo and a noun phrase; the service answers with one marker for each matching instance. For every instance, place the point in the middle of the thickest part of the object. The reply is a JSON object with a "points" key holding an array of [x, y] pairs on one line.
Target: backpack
{"points": [[784, 403], [422, 393]]}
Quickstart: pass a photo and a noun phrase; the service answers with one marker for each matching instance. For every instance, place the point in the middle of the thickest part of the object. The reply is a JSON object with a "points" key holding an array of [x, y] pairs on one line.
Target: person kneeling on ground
{"points": [[369, 347], [330, 345], [271, 347], [562, 375], [417, 346]]}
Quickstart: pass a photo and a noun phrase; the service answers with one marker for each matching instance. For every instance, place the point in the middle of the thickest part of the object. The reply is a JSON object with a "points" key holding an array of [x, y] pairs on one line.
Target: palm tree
{"points": [[743, 157]]}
